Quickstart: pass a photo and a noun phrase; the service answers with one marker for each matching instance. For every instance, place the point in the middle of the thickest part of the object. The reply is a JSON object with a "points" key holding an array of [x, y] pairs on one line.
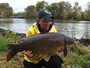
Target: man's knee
{"points": [[55, 62], [56, 59]]}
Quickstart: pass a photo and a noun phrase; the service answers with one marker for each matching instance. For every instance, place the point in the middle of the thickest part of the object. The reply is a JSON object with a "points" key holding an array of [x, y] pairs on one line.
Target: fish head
{"points": [[69, 40]]}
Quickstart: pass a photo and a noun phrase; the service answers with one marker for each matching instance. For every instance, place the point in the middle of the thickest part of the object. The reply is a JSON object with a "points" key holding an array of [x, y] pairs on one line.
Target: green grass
{"points": [[9, 38], [78, 57], [75, 60], [3, 44]]}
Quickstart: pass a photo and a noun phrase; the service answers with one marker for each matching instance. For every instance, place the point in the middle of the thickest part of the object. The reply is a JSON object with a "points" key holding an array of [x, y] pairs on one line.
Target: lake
{"points": [[72, 28]]}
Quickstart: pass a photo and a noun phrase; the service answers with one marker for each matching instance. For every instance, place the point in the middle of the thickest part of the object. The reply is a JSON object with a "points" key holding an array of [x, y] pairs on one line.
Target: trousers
{"points": [[54, 62]]}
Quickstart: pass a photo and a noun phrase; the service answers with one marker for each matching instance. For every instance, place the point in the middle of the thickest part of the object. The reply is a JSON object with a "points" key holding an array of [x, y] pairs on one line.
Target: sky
{"points": [[20, 5]]}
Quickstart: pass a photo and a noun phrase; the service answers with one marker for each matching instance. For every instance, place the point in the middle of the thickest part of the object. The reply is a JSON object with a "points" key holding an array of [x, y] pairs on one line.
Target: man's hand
{"points": [[61, 49], [28, 53]]}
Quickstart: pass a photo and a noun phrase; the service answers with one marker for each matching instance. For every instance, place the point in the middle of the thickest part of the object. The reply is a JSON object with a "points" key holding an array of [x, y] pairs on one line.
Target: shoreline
{"points": [[84, 41], [3, 32], [54, 19]]}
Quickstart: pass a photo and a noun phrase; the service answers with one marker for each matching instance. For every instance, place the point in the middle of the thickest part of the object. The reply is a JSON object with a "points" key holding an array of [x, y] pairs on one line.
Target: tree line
{"points": [[5, 10], [60, 10]]}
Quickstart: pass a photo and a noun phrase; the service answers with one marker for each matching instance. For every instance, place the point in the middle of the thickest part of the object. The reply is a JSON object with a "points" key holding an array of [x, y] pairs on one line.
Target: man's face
{"points": [[45, 23]]}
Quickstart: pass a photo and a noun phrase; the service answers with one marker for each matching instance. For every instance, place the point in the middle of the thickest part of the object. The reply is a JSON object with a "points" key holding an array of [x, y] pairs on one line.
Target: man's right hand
{"points": [[28, 53]]}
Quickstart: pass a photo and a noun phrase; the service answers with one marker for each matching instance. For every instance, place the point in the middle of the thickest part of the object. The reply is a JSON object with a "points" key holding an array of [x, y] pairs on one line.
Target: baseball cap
{"points": [[44, 13]]}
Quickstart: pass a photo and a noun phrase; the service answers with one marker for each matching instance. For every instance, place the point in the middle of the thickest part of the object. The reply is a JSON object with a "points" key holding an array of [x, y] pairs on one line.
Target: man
{"points": [[45, 23]]}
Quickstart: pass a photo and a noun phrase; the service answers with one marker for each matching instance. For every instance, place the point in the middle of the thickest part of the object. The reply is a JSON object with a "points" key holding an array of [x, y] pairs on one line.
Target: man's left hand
{"points": [[61, 49]]}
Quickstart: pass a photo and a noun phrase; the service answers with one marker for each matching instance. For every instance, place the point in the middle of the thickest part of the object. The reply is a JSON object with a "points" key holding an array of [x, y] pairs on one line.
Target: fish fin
{"points": [[65, 51], [11, 52], [47, 57]]}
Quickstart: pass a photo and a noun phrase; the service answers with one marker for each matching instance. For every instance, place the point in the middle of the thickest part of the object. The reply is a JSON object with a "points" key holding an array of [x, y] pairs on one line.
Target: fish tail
{"points": [[11, 52]]}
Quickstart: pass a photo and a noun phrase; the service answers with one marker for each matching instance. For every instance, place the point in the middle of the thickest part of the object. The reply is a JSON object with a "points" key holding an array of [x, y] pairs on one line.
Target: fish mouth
{"points": [[73, 41]]}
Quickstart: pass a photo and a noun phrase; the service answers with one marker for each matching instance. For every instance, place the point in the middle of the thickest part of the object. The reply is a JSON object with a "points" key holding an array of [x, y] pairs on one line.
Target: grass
{"points": [[4, 41], [3, 44], [78, 55], [9, 38], [76, 61]]}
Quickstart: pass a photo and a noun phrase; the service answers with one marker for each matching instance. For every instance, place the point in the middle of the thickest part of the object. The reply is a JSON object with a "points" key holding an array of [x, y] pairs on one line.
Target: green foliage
{"points": [[78, 49], [41, 5], [78, 15], [30, 12], [54, 9], [77, 57], [5, 10], [3, 44], [7, 39], [77, 11], [60, 10], [64, 9], [76, 61], [84, 61]]}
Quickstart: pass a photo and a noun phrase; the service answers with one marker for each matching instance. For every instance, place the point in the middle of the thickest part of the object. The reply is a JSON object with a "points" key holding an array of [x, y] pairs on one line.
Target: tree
{"points": [[41, 5], [64, 9], [5, 10], [30, 12], [88, 10], [78, 13], [75, 10], [10, 12], [53, 8]]}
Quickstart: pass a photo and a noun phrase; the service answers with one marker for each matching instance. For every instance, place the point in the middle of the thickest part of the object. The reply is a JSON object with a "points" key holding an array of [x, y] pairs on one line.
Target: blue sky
{"points": [[19, 5]]}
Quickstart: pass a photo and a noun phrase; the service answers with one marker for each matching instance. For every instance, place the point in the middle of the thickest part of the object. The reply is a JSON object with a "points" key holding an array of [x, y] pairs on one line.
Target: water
{"points": [[74, 29]]}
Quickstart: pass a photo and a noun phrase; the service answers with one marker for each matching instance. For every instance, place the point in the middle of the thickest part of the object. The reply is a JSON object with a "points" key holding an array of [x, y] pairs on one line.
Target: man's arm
{"points": [[28, 53]]}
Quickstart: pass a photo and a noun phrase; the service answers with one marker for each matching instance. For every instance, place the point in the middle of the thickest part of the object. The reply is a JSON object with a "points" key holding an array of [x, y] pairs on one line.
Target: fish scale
{"points": [[40, 44]]}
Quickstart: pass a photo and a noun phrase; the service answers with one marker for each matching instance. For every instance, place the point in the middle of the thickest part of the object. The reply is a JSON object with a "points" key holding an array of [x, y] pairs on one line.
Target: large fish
{"points": [[40, 44]]}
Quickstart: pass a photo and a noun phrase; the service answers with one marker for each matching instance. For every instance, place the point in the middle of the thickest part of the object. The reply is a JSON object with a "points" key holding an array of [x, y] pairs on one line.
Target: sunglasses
{"points": [[47, 21]]}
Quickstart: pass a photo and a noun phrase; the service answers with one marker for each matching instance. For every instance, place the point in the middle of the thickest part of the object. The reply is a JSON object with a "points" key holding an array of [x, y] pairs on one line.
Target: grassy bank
{"points": [[78, 55], [8, 38]]}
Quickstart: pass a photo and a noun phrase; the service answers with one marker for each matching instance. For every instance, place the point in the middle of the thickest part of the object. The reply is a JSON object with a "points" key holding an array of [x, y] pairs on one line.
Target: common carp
{"points": [[40, 44]]}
